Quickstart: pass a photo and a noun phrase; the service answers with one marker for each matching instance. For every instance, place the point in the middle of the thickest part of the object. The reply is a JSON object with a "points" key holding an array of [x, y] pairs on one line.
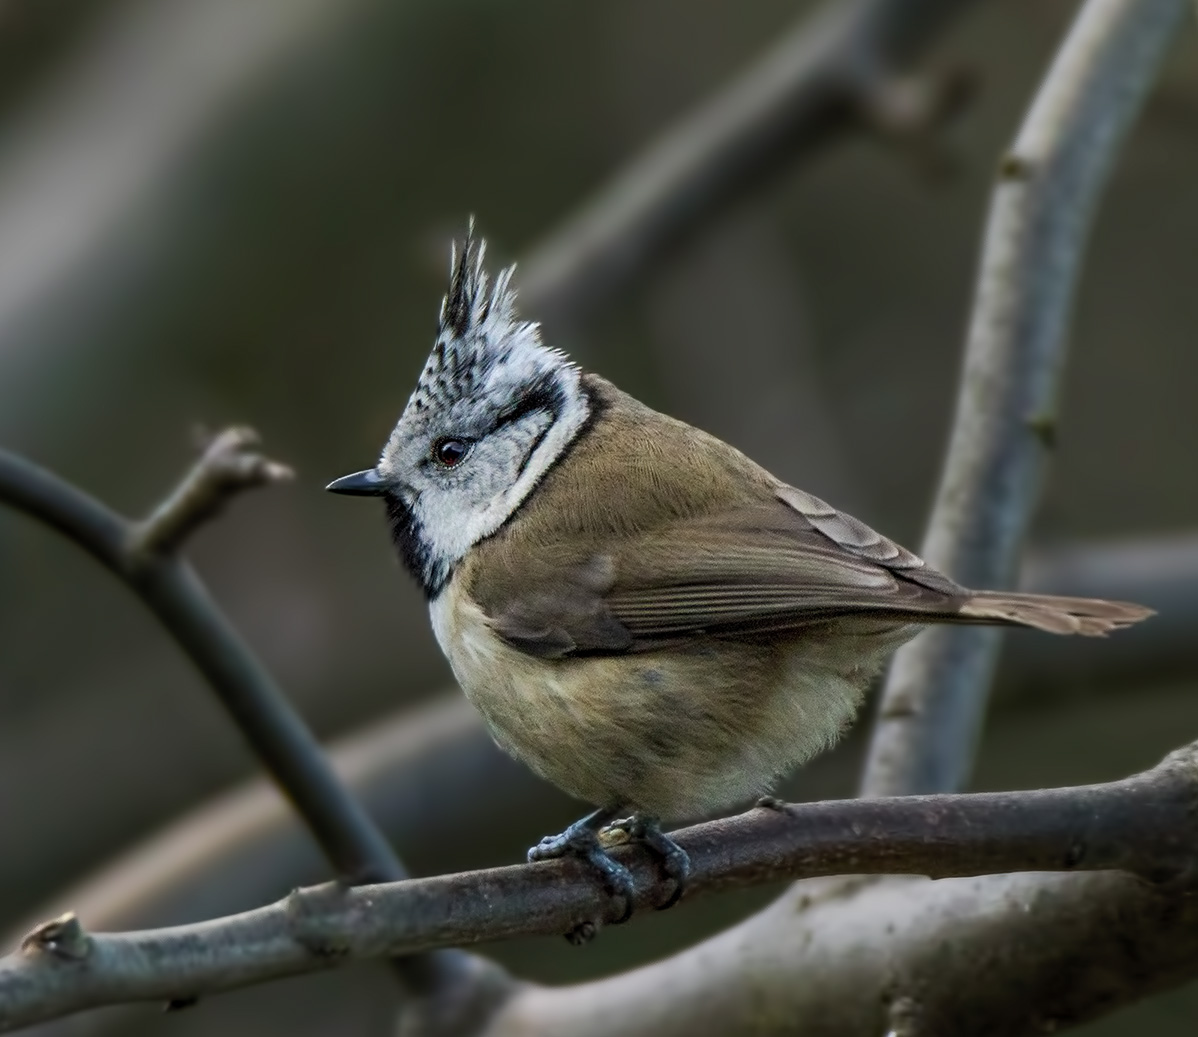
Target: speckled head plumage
{"points": [[491, 412], [478, 332]]}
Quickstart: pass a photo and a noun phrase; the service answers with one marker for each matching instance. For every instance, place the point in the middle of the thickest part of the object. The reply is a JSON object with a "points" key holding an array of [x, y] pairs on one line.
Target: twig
{"points": [[171, 590], [821, 77], [230, 463], [1040, 215], [1141, 825]]}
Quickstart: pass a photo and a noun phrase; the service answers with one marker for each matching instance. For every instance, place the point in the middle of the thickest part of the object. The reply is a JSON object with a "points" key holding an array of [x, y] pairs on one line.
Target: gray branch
{"points": [[824, 74], [1015, 955], [231, 463], [1140, 825], [1040, 217]]}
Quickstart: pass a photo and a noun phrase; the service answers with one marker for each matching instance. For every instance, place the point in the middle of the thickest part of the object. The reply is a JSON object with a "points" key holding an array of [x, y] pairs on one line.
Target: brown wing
{"points": [[781, 564]]}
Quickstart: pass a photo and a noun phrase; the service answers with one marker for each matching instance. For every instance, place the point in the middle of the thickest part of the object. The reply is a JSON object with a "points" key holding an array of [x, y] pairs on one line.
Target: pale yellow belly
{"points": [[676, 733]]}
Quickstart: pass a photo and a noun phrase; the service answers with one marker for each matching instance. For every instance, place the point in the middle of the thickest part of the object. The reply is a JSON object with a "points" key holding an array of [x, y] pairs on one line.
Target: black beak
{"points": [[361, 484]]}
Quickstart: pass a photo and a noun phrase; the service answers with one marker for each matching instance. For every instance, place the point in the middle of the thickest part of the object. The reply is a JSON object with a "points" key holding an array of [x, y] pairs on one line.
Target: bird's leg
{"points": [[674, 860], [581, 839]]}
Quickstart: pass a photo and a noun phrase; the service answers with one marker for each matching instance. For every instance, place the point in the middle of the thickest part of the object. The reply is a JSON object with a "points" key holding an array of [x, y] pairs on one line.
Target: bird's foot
{"points": [[581, 840], [674, 859]]}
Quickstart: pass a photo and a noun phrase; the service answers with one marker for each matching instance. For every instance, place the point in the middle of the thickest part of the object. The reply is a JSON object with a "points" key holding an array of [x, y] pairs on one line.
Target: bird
{"points": [[644, 616]]}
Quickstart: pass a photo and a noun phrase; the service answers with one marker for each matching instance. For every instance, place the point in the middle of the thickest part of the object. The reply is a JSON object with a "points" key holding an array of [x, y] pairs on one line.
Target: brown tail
{"points": [[1091, 617]]}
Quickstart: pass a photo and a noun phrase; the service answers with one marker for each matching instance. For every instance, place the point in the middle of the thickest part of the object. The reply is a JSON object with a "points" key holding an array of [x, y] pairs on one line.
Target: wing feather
{"points": [[776, 565]]}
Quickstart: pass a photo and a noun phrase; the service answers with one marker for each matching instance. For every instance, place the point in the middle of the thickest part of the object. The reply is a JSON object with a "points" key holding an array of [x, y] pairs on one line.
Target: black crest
{"points": [[467, 303]]}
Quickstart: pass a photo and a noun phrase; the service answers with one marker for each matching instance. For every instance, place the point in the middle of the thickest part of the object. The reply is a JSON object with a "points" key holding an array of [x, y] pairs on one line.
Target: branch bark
{"points": [[1017, 955], [1041, 212], [1142, 825]]}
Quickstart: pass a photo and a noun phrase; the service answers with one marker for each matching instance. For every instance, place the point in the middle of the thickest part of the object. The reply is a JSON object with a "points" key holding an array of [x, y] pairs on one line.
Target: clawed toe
{"points": [[550, 848], [675, 861], [581, 840]]}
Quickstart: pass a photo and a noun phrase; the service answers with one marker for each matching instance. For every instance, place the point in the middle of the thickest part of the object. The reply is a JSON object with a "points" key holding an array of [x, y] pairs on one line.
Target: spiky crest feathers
{"points": [[479, 330]]}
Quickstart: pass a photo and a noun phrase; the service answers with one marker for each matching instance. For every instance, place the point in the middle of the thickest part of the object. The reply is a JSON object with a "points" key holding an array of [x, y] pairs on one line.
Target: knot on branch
{"points": [[63, 937], [911, 112], [313, 915], [230, 464]]}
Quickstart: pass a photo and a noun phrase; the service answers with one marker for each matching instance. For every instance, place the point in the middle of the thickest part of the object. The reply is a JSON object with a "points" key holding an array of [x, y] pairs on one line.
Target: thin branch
{"points": [[1141, 825], [171, 590], [230, 464], [1041, 212], [824, 75]]}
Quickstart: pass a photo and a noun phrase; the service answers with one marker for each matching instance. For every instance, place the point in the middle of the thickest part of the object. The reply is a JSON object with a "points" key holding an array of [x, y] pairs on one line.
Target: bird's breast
{"points": [[677, 732]]}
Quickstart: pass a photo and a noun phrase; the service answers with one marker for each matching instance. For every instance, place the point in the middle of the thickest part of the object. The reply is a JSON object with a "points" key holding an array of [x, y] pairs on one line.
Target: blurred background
{"points": [[240, 211]]}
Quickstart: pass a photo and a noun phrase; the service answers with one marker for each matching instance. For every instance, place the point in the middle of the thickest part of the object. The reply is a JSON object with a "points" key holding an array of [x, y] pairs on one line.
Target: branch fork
{"points": [[231, 464]]}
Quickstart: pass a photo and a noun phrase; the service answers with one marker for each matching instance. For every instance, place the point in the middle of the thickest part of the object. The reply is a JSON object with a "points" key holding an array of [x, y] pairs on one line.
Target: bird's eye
{"points": [[449, 451]]}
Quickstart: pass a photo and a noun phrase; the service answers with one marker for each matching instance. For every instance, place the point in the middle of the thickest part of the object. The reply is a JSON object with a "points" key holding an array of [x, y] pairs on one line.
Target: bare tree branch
{"points": [[171, 590], [823, 75], [230, 463], [1016, 955], [1041, 212], [1141, 825]]}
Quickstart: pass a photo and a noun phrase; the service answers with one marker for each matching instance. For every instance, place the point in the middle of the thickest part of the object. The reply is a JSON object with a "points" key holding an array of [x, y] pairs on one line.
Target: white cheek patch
{"points": [[452, 525]]}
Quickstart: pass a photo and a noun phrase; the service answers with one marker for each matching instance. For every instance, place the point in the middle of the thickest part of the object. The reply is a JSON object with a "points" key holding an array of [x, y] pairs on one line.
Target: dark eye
{"points": [[450, 451]]}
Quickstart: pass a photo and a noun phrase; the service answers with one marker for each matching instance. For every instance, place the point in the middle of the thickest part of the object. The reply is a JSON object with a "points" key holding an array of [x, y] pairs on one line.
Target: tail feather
{"points": [[1091, 617]]}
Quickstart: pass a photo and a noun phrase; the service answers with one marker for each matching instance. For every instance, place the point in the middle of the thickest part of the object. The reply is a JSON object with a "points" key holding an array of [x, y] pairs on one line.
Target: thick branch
{"points": [[173, 592], [824, 73], [1141, 825], [1017, 955], [1040, 217]]}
